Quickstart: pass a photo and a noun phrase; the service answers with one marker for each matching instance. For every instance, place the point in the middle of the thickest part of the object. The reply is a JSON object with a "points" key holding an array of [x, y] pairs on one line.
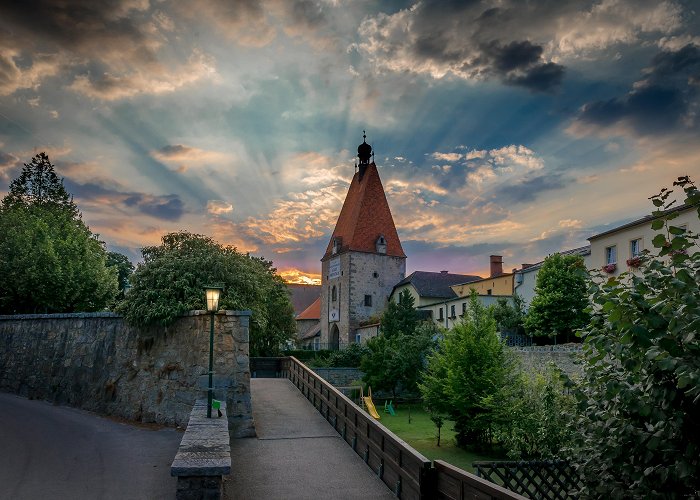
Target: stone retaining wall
{"points": [[340, 377], [565, 356], [97, 362]]}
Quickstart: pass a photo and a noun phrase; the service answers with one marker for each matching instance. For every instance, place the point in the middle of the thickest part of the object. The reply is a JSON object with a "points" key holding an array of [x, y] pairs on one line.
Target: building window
{"points": [[488, 292], [358, 338], [368, 301], [440, 316], [636, 247], [334, 294], [452, 312], [375, 274], [611, 255], [317, 344], [464, 308]]}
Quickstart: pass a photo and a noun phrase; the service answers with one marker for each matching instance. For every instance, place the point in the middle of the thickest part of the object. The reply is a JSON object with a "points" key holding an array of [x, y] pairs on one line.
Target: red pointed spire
{"points": [[365, 217]]}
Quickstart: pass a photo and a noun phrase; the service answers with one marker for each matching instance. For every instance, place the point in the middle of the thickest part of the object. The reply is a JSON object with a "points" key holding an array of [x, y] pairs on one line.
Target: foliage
{"points": [[394, 362], [49, 260], [171, 281], [640, 402], [560, 300], [124, 269], [470, 364], [350, 357], [439, 421], [532, 415], [510, 318], [38, 185], [400, 317]]}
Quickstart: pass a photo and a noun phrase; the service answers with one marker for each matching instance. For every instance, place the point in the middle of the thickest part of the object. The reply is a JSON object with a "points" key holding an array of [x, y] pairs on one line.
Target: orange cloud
{"points": [[299, 277]]}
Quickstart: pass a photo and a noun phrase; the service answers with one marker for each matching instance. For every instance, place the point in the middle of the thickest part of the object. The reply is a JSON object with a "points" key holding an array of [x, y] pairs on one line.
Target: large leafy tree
{"points": [[49, 259], [469, 365], [396, 358], [170, 281], [124, 269], [561, 297], [640, 397]]}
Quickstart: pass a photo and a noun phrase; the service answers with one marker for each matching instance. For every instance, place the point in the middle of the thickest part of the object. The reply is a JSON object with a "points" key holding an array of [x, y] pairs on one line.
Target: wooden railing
{"points": [[454, 483], [406, 472]]}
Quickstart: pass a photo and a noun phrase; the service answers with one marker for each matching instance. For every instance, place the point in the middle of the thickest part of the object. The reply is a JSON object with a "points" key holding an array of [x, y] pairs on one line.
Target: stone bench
{"points": [[204, 455]]}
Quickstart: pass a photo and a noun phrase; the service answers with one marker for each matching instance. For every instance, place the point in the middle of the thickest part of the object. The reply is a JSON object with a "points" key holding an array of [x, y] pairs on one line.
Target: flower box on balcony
{"points": [[610, 268]]}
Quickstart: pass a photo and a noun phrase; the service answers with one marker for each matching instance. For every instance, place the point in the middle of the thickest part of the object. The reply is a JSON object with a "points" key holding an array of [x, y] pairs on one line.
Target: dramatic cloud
{"points": [[518, 44], [185, 157], [218, 207], [528, 190], [168, 207], [666, 100], [111, 50]]}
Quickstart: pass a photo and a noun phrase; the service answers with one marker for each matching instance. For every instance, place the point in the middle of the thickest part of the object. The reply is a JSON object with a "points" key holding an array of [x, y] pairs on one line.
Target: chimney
{"points": [[496, 265]]}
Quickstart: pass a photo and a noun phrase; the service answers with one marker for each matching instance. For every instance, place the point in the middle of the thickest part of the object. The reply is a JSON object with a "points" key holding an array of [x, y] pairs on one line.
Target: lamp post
{"points": [[212, 296]]}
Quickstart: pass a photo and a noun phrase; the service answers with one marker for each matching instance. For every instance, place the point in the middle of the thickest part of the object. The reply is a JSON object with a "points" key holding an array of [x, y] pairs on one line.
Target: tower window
{"points": [[334, 294], [368, 301], [375, 274]]}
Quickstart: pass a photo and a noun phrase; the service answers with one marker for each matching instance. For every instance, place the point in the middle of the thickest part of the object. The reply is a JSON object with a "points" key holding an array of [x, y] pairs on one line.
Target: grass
{"points": [[421, 433]]}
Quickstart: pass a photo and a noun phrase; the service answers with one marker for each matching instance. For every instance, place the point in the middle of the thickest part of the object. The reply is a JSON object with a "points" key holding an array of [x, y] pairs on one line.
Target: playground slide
{"points": [[370, 407]]}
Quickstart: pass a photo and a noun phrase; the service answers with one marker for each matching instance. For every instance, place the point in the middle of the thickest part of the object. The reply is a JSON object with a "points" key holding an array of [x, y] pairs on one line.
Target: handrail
{"points": [[408, 473]]}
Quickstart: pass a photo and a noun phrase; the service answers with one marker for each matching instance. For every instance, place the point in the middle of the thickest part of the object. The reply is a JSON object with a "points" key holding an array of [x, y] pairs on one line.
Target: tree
{"points": [[396, 357], [640, 397], [170, 281], [558, 307], [49, 259], [124, 269], [509, 318], [532, 416], [400, 317], [470, 364], [395, 363]]}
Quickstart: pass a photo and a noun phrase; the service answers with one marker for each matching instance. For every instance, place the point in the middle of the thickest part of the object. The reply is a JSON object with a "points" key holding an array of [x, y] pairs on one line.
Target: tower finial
{"points": [[364, 150]]}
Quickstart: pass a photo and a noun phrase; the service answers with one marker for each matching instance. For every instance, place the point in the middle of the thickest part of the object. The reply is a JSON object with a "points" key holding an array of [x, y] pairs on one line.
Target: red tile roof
{"points": [[311, 312], [365, 216]]}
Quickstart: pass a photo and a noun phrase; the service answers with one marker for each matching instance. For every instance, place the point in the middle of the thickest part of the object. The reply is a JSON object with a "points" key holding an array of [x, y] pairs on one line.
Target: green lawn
{"points": [[421, 433]]}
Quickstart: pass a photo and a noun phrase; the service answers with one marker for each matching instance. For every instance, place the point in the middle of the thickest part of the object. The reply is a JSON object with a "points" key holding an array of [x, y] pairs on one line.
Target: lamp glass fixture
{"points": [[213, 293]]}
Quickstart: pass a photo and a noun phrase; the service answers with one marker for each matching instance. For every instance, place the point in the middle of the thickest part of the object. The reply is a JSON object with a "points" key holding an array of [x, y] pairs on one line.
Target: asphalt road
{"points": [[56, 452]]}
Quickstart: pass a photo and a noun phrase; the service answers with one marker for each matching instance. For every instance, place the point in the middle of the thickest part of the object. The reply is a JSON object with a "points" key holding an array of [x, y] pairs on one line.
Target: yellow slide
{"points": [[370, 407], [369, 404]]}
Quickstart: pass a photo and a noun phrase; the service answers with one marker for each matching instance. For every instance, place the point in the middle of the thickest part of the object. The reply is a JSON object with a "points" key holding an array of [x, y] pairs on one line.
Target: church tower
{"points": [[364, 258]]}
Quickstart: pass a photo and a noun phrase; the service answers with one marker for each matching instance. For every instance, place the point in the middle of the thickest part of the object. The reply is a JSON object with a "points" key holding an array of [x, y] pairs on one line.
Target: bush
{"points": [[640, 400], [532, 416]]}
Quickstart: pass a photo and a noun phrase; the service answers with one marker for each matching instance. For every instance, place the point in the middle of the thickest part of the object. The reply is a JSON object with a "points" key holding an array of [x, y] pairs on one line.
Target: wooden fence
{"points": [[406, 472], [544, 479]]}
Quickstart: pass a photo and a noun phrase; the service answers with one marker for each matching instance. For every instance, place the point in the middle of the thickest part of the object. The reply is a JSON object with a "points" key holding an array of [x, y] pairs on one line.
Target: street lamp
{"points": [[212, 294]]}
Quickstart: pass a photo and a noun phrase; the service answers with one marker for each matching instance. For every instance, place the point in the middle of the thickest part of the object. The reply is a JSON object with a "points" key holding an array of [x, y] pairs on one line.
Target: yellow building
{"points": [[615, 250], [499, 283]]}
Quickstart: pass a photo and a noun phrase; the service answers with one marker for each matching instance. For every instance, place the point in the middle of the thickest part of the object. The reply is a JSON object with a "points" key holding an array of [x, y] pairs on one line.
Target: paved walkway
{"points": [[297, 454], [56, 452]]}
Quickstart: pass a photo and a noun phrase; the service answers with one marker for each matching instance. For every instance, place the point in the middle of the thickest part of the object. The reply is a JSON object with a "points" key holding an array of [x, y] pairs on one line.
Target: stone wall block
{"points": [[98, 362]]}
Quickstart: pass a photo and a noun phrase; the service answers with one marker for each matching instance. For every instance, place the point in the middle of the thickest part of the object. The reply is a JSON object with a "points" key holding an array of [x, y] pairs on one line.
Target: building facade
{"points": [[364, 258], [615, 250]]}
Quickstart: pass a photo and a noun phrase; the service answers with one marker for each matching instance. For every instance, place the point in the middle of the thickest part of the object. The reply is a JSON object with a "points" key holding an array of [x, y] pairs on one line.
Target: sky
{"points": [[499, 126]]}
